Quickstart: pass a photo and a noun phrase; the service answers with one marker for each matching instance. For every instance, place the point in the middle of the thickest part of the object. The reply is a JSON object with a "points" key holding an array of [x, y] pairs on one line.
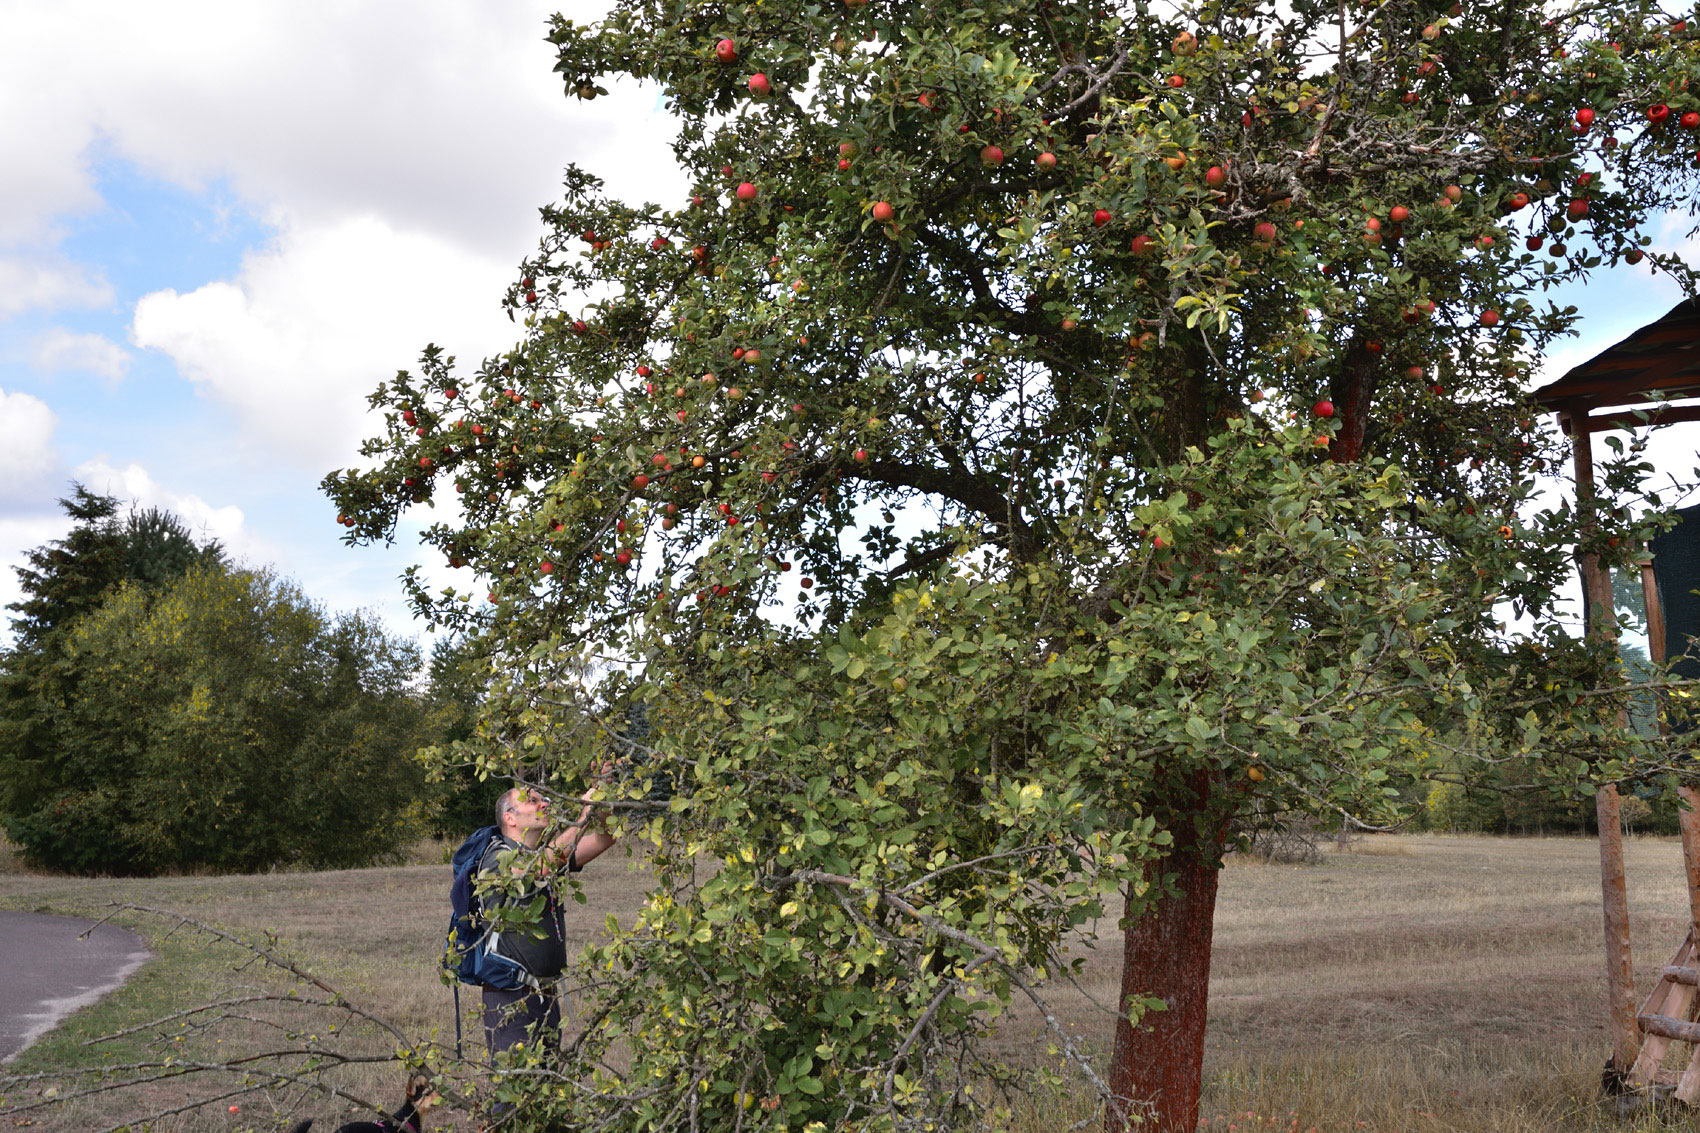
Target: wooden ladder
{"points": [[1667, 1017]]}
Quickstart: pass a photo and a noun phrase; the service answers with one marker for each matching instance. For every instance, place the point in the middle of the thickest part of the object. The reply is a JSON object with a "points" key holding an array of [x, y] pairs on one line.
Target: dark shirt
{"points": [[541, 948]]}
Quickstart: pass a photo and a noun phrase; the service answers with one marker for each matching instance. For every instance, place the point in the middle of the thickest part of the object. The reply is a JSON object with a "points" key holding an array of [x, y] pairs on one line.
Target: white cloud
{"points": [[399, 153], [309, 327], [133, 484], [401, 162], [18, 536], [437, 115], [61, 350], [48, 283], [26, 443]]}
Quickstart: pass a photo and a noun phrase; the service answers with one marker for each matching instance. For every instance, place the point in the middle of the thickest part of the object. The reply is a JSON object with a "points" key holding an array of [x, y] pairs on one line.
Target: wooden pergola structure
{"points": [[1657, 363]]}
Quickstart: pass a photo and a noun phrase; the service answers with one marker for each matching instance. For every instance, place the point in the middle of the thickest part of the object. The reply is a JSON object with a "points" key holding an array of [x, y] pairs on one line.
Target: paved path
{"points": [[46, 972]]}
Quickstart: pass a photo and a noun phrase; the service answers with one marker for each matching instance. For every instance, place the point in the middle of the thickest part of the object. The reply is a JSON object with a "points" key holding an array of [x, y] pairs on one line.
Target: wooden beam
{"points": [[1688, 796], [1667, 1027], [1647, 419], [1669, 997], [1682, 974], [1614, 891], [1655, 611]]}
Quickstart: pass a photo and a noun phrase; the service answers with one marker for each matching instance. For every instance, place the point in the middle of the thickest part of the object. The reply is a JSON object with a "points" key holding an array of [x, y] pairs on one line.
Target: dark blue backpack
{"points": [[469, 954]]}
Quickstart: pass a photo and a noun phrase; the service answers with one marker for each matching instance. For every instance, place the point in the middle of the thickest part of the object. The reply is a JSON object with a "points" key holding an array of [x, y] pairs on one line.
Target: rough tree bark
{"points": [[1157, 1066], [1353, 391]]}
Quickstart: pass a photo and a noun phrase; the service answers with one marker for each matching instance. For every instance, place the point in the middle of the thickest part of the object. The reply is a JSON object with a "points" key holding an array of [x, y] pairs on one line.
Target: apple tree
{"points": [[1047, 434]]}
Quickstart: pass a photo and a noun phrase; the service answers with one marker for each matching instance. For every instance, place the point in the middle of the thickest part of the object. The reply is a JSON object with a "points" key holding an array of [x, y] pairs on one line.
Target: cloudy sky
{"points": [[221, 224]]}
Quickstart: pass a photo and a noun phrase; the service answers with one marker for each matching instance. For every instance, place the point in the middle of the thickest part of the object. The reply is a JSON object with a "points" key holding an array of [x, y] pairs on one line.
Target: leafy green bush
{"points": [[221, 722]]}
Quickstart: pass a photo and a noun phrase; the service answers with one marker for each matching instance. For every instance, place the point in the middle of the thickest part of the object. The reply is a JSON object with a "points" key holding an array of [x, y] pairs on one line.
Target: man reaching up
{"points": [[522, 815]]}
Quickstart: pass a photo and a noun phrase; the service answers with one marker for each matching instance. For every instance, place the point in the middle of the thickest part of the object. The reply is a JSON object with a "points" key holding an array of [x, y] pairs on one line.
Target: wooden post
{"points": [[1614, 892], [1655, 612], [1688, 796]]}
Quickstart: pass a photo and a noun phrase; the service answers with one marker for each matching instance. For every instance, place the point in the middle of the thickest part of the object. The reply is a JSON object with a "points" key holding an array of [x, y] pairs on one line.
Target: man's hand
{"points": [[584, 840]]}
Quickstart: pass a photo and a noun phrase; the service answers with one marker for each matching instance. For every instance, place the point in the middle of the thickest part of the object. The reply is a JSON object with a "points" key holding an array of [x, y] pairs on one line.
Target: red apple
{"points": [[623, 557], [862, 455], [843, 164], [1323, 409], [1215, 177], [1690, 120], [726, 51], [546, 567], [1490, 318], [1264, 231], [747, 192], [1577, 209], [1454, 193], [1518, 200], [1398, 214], [883, 212], [1585, 117], [1140, 244], [1177, 81], [640, 481], [1046, 160], [1657, 113], [1633, 256], [991, 155], [759, 85], [451, 393], [1100, 218]]}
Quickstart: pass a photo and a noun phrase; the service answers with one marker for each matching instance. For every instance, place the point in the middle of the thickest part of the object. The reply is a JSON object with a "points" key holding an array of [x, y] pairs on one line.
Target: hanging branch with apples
{"points": [[1046, 434]]}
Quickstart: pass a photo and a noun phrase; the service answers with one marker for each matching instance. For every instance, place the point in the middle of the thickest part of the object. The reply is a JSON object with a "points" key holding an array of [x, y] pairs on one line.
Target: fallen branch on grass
{"points": [[305, 1064]]}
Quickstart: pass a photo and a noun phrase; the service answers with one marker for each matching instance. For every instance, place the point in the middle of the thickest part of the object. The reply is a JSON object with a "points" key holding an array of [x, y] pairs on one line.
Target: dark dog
{"points": [[421, 1099]]}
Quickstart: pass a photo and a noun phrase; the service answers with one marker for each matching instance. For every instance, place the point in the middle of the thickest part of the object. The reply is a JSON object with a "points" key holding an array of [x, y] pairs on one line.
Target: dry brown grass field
{"points": [[1405, 984]]}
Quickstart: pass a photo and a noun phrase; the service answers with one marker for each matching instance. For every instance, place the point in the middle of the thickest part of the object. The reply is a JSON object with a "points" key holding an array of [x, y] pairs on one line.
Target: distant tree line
{"points": [[162, 709]]}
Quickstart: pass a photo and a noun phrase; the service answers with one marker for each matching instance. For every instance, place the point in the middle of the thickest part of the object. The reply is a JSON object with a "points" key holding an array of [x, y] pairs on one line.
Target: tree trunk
{"points": [[1158, 1066], [1353, 392]]}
